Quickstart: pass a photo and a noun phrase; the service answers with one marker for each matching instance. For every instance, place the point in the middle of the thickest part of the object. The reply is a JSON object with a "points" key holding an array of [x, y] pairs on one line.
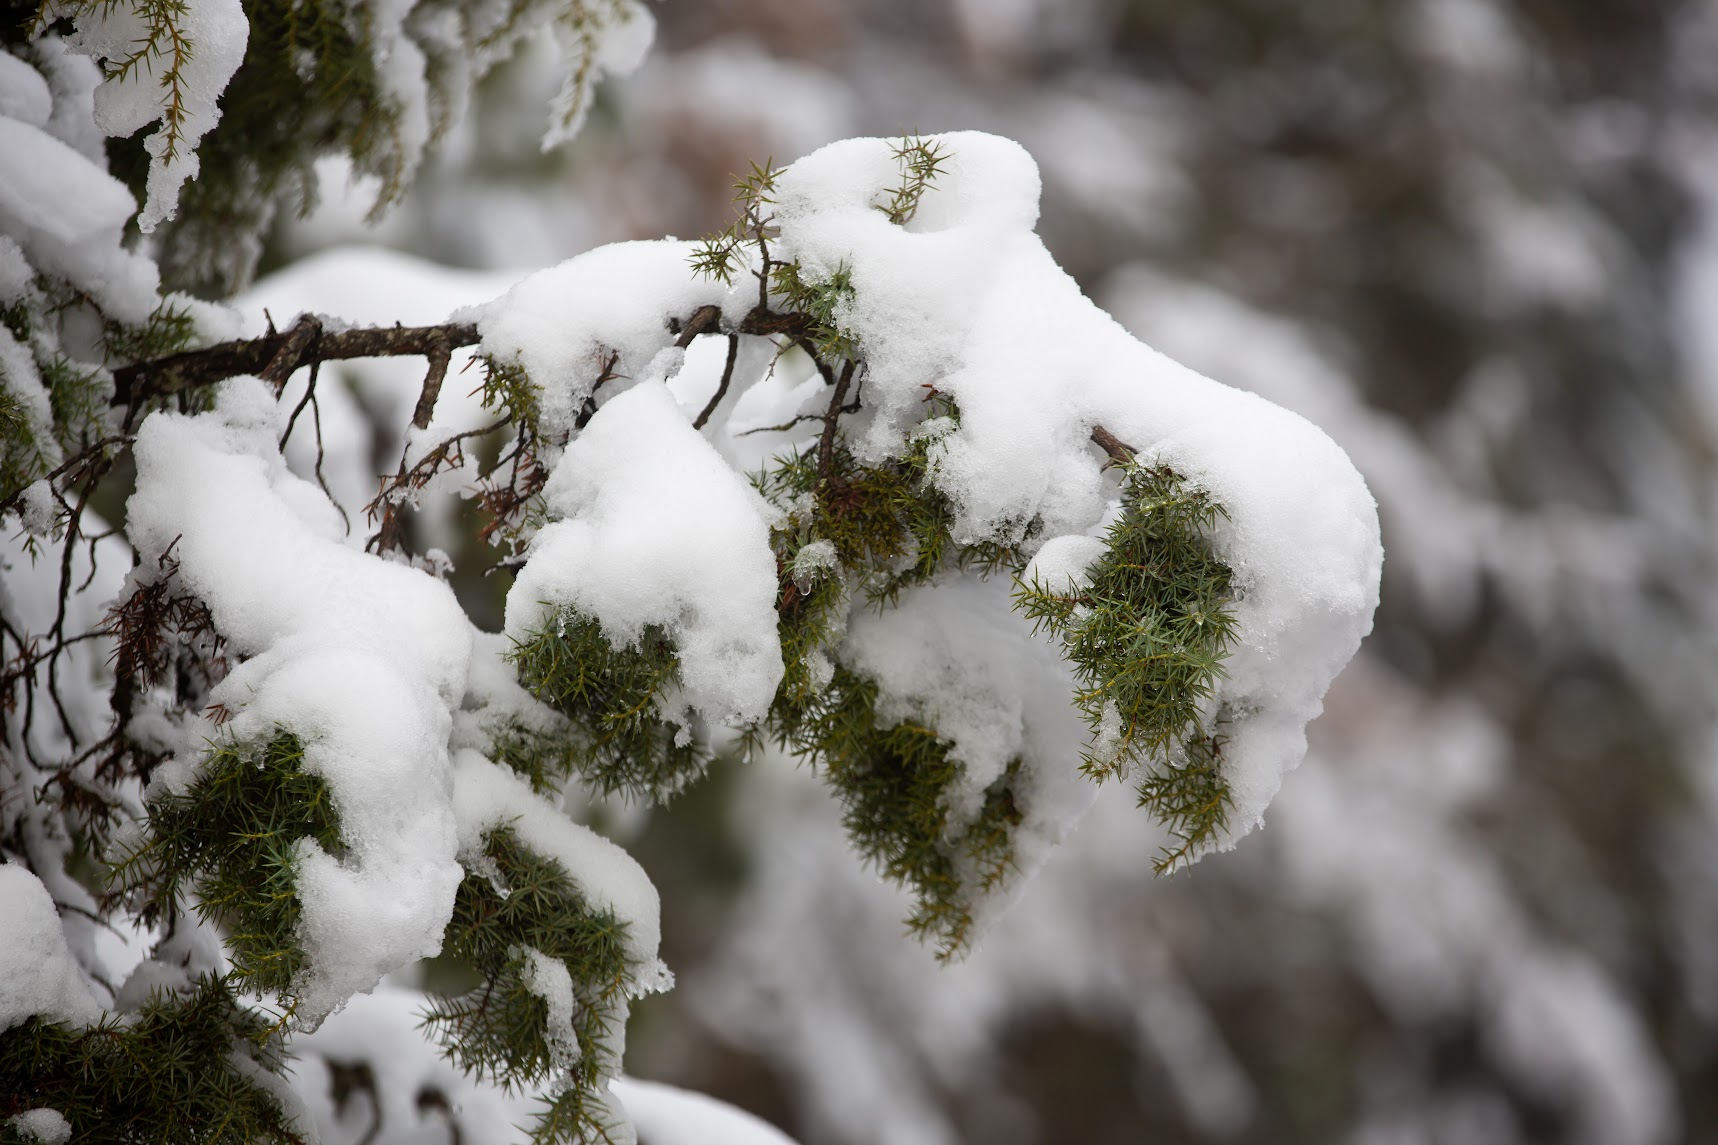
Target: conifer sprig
{"points": [[1189, 795], [892, 782], [175, 1071], [522, 906], [232, 837], [881, 528], [161, 52], [620, 742], [721, 255], [1147, 635], [921, 161]]}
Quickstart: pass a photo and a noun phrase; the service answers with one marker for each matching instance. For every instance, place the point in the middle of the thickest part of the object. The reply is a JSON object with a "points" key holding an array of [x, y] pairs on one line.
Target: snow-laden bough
{"points": [[945, 421]]}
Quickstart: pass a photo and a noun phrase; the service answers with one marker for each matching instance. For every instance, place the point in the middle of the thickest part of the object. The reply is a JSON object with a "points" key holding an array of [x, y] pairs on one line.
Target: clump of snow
{"points": [[655, 529], [23, 92], [72, 80], [68, 215], [814, 559], [549, 979], [669, 1115], [965, 297], [48, 1126], [565, 323], [1060, 566], [22, 381], [38, 509], [176, 86], [360, 658], [598, 45], [37, 974]]}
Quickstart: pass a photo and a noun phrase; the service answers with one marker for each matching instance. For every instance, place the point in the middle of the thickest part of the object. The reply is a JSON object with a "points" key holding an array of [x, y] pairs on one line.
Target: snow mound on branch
{"points": [[965, 298], [37, 974], [657, 530], [66, 213], [564, 324], [361, 658]]}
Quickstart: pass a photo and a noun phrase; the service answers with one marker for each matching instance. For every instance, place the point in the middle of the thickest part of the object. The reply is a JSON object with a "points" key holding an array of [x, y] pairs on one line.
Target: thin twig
{"points": [[589, 409], [292, 420], [721, 390], [439, 354], [826, 444], [321, 453]]}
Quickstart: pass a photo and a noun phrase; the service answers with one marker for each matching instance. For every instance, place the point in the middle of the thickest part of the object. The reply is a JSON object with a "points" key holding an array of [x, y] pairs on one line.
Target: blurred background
{"points": [[1474, 240]]}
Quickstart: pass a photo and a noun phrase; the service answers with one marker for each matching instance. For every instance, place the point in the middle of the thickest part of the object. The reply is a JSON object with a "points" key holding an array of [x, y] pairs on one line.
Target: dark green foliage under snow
{"points": [[1147, 636], [234, 834], [620, 742], [173, 1074], [1146, 639], [892, 782], [889, 524], [888, 528], [518, 900]]}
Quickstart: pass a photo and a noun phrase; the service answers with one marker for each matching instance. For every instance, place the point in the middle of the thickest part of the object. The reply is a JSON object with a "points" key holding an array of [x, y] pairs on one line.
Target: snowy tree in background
{"points": [[864, 478]]}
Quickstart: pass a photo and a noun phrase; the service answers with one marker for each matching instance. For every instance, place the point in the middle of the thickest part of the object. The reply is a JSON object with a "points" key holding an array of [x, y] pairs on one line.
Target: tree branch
{"points": [[1118, 449], [170, 375], [439, 353], [292, 350], [721, 390], [826, 443], [703, 320]]}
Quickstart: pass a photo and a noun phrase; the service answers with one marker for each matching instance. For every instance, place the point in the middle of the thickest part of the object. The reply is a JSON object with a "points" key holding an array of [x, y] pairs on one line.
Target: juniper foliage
{"points": [[512, 908], [184, 1068], [1146, 639], [229, 844], [1147, 634], [611, 694]]}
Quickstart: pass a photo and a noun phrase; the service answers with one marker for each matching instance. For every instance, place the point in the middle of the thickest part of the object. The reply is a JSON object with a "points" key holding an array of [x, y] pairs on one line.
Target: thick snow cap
{"points": [[964, 297]]}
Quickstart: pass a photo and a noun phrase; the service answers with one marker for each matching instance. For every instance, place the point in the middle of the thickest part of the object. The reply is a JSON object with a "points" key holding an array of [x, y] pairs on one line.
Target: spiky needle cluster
{"points": [[515, 909], [1147, 635], [232, 838], [610, 694], [184, 1068]]}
